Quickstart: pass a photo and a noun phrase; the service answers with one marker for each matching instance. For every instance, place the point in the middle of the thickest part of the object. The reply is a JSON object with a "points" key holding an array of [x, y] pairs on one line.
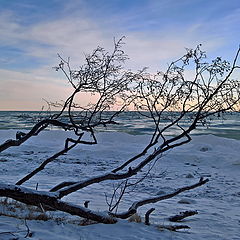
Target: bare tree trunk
{"points": [[37, 198]]}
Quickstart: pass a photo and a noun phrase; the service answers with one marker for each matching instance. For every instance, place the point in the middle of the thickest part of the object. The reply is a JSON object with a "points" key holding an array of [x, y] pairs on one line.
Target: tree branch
{"points": [[136, 205]]}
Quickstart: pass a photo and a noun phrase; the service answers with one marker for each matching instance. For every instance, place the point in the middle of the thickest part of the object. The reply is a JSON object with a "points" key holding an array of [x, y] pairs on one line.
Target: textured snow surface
{"points": [[218, 202]]}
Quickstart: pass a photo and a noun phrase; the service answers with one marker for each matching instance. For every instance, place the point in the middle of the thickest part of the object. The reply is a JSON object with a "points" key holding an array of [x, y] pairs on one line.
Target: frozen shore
{"points": [[218, 202]]}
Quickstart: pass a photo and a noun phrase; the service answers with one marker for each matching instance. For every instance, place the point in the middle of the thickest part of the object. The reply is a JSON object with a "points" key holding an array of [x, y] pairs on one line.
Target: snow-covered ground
{"points": [[217, 202]]}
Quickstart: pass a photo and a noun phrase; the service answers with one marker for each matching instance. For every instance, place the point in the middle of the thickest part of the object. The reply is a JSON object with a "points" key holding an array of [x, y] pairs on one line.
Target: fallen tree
{"points": [[182, 97]]}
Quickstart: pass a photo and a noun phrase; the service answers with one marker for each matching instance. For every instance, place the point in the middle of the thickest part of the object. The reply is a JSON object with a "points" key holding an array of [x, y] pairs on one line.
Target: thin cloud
{"points": [[151, 40], [26, 91]]}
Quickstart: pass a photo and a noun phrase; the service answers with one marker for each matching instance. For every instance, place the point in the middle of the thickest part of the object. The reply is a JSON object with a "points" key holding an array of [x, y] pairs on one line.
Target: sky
{"points": [[32, 33]]}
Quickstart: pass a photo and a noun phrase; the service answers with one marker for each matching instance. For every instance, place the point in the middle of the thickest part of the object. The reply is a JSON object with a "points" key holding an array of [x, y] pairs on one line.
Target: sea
{"points": [[227, 125]]}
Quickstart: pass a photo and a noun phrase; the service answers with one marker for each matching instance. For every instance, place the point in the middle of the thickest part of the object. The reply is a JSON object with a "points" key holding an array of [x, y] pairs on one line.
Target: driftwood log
{"points": [[182, 215]]}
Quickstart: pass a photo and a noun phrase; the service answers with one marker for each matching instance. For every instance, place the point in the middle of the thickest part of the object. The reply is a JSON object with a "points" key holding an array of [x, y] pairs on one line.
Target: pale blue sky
{"points": [[32, 32]]}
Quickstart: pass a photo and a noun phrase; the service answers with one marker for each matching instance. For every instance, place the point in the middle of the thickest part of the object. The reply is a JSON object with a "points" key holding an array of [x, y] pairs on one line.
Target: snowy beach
{"points": [[209, 156], [119, 120]]}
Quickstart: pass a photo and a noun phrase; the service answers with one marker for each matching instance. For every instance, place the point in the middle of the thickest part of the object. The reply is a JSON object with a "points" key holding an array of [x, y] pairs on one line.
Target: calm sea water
{"points": [[225, 126]]}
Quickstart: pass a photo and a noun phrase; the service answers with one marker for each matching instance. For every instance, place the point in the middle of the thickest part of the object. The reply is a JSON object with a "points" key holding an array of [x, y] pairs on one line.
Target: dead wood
{"points": [[35, 198], [173, 227], [136, 205], [182, 215], [147, 214]]}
